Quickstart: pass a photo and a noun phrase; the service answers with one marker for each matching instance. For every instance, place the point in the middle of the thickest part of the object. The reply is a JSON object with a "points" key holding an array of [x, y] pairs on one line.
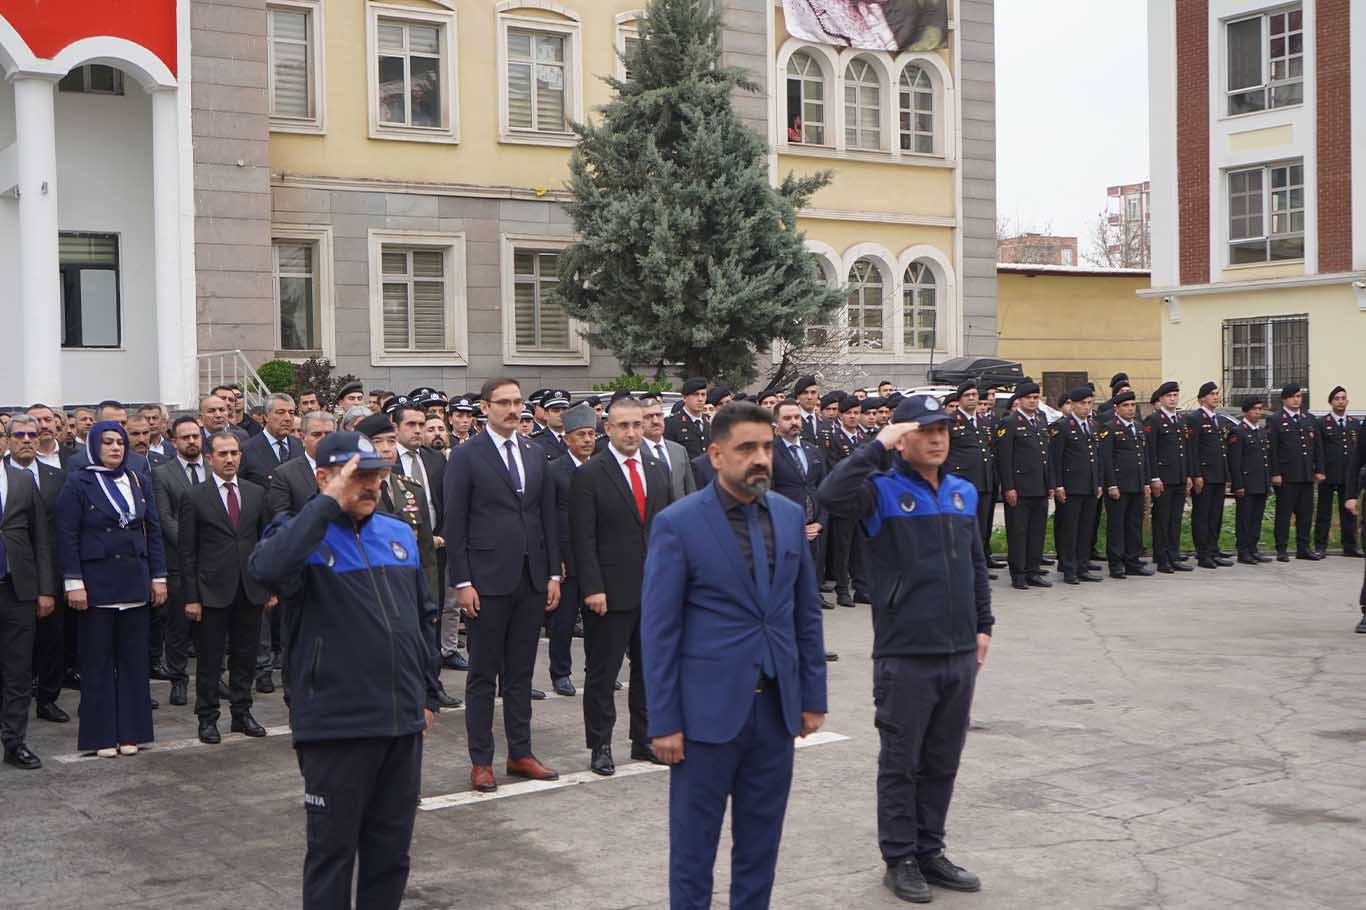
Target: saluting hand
{"points": [[891, 434]]}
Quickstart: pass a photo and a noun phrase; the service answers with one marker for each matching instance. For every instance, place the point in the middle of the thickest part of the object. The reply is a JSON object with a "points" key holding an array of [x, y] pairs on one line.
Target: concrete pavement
{"points": [[1196, 741]]}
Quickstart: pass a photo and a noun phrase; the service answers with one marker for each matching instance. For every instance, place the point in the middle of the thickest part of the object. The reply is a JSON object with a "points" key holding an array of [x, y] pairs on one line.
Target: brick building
{"points": [[1128, 220], [1038, 249]]}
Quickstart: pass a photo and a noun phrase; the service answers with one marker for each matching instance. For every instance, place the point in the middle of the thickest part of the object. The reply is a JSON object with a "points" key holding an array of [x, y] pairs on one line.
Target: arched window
{"points": [[920, 306], [917, 111], [864, 306], [862, 106], [805, 100]]}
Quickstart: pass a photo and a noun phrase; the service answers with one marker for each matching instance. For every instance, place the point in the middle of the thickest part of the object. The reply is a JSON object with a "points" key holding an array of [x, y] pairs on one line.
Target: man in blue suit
{"points": [[734, 661]]}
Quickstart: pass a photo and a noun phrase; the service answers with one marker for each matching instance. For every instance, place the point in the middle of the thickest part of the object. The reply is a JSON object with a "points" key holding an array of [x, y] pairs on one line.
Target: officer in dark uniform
{"points": [[1356, 484], [690, 427], [1125, 474], [1250, 477], [551, 436], [1074, 467], [970, 455], [1209, 476], [1296, 462], [807, 394], [987, 419], [846, 551], [1165, 432], [1022, 467], [1338, 432]]}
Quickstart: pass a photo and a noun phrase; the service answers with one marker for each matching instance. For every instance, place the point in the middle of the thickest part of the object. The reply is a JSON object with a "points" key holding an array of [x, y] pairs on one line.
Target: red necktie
{"points": [[234, 507], [637, 488]]}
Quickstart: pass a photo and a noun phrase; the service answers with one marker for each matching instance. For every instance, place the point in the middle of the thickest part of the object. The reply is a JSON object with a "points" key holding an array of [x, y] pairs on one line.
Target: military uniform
{"points": [[1295, 458], [692, 433], [970, 457], [1075, 468], [405, 500], [1251, 480], [1022, 466], [1165, 437], [1339, 439], [1124, 471], [1209, 460], [844, 550]]}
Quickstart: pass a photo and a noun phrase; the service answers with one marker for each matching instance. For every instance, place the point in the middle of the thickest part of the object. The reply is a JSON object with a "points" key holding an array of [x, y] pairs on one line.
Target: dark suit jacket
{"points": [[214, 554], [702, 471], [553, 448], [789, 482], [561, 473], [434, 463], [609, 538], [292, 485], [684, 432], [116, 564], [50, 481], [170, 483], [260, 461], [491, 530], [25, 527]]}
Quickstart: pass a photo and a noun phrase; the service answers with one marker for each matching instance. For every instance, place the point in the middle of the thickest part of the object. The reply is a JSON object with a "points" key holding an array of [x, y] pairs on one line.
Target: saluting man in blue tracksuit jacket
{"points": [[361, 667], [932, 626]]}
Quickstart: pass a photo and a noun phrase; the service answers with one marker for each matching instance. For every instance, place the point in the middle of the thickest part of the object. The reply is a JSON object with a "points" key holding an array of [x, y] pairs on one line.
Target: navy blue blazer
{"points": [[702, 471], [703, 630], [133, 461], [788, 480], [116, 564], [490, 530]]}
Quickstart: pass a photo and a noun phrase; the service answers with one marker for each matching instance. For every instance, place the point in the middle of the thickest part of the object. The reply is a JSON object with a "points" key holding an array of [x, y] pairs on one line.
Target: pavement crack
{"points": [[1089, 617]]}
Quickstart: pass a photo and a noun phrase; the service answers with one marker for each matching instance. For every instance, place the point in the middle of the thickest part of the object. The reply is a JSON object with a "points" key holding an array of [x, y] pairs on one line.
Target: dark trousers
{"points": [[269, 644], [17, 621], [1207, 519], [49, 653], [559, 623], [986, 514], [1025, 525], [116, 699], [1294, 499], [753, 771], [1248, 514], [613, 637], [1323, 517], [922, 707], [502, 642], [1093, 533], [846, 555], [360, 796], [231, 630], [156, 633], [1168, 510], [1072, 530], [177, 637], [1124, 531]]}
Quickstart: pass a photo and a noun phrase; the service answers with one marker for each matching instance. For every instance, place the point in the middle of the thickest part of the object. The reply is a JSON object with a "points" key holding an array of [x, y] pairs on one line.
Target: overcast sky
{"points": [[1071, 109]]}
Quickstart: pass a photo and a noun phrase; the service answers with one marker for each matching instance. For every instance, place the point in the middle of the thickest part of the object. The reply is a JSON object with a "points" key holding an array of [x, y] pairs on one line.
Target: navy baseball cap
{"points": [[922, 409], [336, 449]]}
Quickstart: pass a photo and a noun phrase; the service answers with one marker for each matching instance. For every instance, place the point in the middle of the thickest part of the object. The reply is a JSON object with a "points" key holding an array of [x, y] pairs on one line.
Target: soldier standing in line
{"points": [[1075, 477], [1209, 473], [1171, 483], [1339, 433], [690, 427], [846, 552], [1251, 479], [1296, 462], [1125, 473], [1356, 482], [1022, 466], [970, 456]]}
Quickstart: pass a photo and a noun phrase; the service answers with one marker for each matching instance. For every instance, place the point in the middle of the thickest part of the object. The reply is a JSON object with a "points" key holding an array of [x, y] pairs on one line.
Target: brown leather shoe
{"points": [[531, 768], [481, 778]]}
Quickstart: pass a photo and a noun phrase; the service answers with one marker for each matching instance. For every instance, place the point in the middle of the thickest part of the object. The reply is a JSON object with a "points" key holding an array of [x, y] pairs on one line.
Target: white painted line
{"points": [[521, 788], [178, 745]]}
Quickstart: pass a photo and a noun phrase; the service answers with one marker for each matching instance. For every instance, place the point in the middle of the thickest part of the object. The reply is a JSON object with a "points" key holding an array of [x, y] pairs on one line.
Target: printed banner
{"points": [[871, 25]]}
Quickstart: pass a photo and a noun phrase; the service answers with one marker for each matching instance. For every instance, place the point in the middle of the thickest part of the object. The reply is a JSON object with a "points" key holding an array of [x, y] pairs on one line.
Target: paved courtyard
{"points": [[1196, 741]]}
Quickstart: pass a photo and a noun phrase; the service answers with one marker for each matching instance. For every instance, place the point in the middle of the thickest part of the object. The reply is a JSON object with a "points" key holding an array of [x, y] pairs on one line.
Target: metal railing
{"points": [[231, 367]]}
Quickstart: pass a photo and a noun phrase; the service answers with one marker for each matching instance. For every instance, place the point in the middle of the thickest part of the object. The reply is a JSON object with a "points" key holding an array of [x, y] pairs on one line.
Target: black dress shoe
{"points": [[456, 661], [826, 605], [1166, 570], [446, 699], [179, 691], [21, 756], [939, 871], [247, 725], [208, 733], [827, 587], [602, 762], [1184, 557], [50, 711], [72, 680], [831, 657], [1247, 560], [861, 597], [1322, 552], [1282, 557], [1118, 573], [1087, 576], [992, 576], [1138, 570], [1207, 564], [644, 752], [1070, 580], [1312, 557], [1180, 568], [1019, 584], [158, 671], [1048, 561], [844, 600], [1262, 557], [1361, 626], [155, 704], [1036, 581], [906, 881], [564, 687], [265, 683], [1354, 553], [994, 563], [1222, 562], [1094, 566], [537, 694]]}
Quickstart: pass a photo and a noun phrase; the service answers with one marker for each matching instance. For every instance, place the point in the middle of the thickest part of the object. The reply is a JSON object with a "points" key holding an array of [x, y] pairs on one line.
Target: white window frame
{"points": [[935, 93], [324, 285], [317, 69], [907, 312], [889, 287], [579, 353], [827, 108], [1267, 192], [883, 101], [449, 133], [457, 311], [1266, 86], [568, 27], [628, 26]]}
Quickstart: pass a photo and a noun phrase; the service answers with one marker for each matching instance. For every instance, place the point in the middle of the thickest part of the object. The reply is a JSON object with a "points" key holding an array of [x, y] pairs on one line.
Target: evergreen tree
{"points": [[687, 255]]}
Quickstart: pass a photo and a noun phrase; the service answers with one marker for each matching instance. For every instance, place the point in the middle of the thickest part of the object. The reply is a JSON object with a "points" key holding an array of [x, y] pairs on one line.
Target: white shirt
{"points": [[413, 467], [500, 443], [798, 453], [1208, 413], [661, 451], [77, 584], [275, 445], [626, 471], [575, 459], [312, 465], [53, 459], [198, 467], [223, 491]]}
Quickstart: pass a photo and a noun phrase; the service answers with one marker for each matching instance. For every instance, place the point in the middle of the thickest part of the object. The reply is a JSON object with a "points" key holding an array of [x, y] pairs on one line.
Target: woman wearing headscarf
{"points": [[109, 545]]}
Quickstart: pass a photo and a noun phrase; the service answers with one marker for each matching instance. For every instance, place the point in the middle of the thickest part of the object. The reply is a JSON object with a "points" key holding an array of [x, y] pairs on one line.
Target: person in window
{"points": [[794, 131], [109, 544]]}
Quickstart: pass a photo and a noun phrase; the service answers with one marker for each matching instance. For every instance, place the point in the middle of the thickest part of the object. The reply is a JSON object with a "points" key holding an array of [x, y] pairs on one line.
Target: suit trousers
{"points": [[1168, 510], [752, 771], [18, 619], [1248, 514], [1323, 517], [156, 632], [922, 707], [360, 798], [614, 637], [1025, 525], [1124, 531], [49, 653], [231, 630], [1207, 519], [116, 699], [1093, 539], [986, 514], [450, 624], [503, 641], [1297, 500], [1072, 531], [269, 644], [177, 639], [846, 554], [559, 623]]}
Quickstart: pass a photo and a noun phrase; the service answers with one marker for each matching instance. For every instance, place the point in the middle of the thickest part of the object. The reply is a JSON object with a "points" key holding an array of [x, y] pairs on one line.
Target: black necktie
{"points": [[194, 473], [284, 450], [515, 474]]}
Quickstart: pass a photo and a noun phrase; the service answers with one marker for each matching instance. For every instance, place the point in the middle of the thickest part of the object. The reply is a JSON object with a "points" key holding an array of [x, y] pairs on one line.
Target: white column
{"points": [[171, 355], [40, 310]]}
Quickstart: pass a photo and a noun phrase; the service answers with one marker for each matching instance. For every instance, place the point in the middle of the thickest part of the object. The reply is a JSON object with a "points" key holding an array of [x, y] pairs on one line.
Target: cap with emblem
{"points": [[398, 401], [693, 385], [1028, 387], [676, 409], [1206, 388], [968, 386], [348, 389], [375, 425], [848, 403], [715, 395], [1251, 402], [555, 398], [593, 401], [802, 385], [1081, 393], [527, 414], [1166, 388], [1118, 380], [461, 405], [618, 395], [580, 417], [952, 397], [1126, 395], [536, 397], [336, 449], [830, 398], [922, 409], [872, 403], [1290, 391]]}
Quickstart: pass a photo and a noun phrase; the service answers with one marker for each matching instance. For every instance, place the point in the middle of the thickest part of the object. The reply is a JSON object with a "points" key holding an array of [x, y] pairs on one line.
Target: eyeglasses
{"points": [[23, 434]]}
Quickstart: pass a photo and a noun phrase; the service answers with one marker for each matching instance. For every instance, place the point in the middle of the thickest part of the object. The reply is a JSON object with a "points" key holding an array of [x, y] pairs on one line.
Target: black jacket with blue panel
{"points": [[924, 554], [361, 658]]}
